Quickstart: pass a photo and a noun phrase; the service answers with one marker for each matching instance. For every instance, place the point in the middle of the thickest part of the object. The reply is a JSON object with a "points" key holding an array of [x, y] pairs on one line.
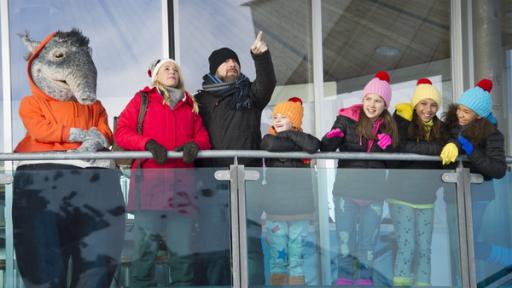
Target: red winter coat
{"points": [[162, 186]]}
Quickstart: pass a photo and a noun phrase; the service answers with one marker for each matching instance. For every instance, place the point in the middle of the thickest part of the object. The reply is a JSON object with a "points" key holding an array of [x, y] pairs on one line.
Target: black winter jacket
{"points": [[231, 129], [289, 191], [355, 183], [488, 157]]}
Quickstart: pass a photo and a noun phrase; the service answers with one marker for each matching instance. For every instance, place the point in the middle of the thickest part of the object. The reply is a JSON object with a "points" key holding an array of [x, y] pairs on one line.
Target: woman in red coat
{"points": [[162, 191]]}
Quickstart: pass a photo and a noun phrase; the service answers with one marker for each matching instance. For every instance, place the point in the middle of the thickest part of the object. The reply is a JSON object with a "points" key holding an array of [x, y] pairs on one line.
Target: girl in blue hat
{"points": [[473, 131]]}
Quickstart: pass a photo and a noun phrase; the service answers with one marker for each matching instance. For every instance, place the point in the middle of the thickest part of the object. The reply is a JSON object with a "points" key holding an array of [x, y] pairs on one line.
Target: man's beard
{"points": [[229, 78]]}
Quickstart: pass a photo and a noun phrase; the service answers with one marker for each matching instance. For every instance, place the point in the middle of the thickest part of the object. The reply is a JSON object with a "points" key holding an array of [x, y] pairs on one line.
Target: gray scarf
{"points": [[175, 95]]}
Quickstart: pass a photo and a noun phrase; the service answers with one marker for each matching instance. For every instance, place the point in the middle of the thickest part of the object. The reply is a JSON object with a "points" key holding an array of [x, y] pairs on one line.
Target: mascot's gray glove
{"points": [[90, 145], [92, 139], [94, 134], [77, 135]]}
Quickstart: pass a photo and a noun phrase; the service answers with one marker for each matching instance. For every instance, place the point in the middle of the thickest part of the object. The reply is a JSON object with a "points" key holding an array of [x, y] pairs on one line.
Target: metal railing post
{"points": [[242, 226], [465, 221], [463, 178], [233, 177], [323, 226]]}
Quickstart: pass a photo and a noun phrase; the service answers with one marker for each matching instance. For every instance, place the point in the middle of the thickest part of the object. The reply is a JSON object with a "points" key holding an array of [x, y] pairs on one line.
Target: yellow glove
{"points": [[404, 110], [449, 153]]}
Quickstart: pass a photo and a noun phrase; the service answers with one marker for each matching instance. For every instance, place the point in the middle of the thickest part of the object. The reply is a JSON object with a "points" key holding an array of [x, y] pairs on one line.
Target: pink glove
{"points": [[384, 140], [335, 133]]}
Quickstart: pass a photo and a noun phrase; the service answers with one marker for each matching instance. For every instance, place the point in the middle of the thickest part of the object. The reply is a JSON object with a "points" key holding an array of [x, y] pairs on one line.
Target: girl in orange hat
{"points": [[289, 205]]}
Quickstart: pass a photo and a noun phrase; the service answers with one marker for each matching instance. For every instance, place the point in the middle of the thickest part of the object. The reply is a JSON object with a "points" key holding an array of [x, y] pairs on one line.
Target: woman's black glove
{"points": [[158, 151], [190, 150]]}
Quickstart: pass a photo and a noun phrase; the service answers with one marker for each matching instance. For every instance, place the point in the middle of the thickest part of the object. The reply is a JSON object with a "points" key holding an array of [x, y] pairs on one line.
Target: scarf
{"points": [[240, 89], [173, 96], [428, 127]]}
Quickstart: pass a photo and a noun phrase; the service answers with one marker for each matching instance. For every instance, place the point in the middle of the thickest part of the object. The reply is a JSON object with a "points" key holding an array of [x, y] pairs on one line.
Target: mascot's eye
{"points": [[58, 54]]}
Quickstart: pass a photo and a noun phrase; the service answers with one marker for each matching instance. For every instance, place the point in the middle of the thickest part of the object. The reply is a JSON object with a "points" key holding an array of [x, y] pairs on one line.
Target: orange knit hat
{"points": [[292, 109]]}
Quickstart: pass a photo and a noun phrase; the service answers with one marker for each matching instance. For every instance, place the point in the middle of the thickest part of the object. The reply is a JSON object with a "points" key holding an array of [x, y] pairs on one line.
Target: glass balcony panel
{"points": [[283, 199], [156, 227], [491, 206], [61, 210]]}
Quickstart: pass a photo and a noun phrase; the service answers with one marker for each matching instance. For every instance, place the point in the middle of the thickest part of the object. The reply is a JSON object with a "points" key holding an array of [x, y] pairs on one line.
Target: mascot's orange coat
{"points": [[48, 120]]}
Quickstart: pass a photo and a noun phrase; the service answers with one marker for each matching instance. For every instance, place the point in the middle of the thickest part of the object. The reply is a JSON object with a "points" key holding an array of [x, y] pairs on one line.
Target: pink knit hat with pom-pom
{"points": [[380, 86]]}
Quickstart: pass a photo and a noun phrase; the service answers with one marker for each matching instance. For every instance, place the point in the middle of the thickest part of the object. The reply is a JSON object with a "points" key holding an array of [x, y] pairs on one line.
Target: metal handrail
{"points": [[222, 154]]}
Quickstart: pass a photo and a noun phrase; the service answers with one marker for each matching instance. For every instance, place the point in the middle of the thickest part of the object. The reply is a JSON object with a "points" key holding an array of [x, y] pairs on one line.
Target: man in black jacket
{"points": [[231, 106]]}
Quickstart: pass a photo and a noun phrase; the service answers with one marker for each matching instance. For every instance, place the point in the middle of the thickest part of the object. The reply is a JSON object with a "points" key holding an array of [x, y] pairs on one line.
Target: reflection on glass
{"points": [[492, 230], [443, 251], [282, 202], [212, 240], [164, 204], [63, 212]]}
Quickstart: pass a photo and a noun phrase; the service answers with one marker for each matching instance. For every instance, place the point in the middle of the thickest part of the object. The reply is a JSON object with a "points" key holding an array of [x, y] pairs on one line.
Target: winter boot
{"points": [[402, 281], [343, 282], [278, 279], [296, 280]]}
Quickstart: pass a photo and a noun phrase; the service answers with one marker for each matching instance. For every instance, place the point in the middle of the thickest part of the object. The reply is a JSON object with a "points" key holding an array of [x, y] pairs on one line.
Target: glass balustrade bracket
{"points": [[251, 175], [452, 178], [477, 178], [222, 175], [449, 177]]}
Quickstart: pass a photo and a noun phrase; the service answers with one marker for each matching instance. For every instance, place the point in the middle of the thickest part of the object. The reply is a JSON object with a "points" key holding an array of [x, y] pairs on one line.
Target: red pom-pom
{"points": [[485, 84], [424, 81], [382, 75], [295, 99], [149, 73]]}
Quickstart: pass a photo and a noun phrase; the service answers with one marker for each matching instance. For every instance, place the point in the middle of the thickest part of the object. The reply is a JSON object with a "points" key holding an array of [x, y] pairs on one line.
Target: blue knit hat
{"points": [[479, 99]]}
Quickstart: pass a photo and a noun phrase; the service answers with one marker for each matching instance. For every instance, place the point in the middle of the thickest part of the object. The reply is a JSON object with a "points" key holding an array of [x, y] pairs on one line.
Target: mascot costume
{"points": [[67, 214]]}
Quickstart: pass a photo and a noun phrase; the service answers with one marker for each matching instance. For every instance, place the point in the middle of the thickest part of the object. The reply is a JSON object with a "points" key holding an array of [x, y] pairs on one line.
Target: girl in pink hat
{"points": [[366, 127]]}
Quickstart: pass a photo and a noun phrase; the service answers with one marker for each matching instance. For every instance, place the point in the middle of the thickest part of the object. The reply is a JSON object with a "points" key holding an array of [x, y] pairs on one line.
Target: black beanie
{"points": [[219, 56]]}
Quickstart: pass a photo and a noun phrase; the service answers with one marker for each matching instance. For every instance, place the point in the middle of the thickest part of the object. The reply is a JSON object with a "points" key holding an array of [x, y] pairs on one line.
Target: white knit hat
{"points": [[155, 66]]}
